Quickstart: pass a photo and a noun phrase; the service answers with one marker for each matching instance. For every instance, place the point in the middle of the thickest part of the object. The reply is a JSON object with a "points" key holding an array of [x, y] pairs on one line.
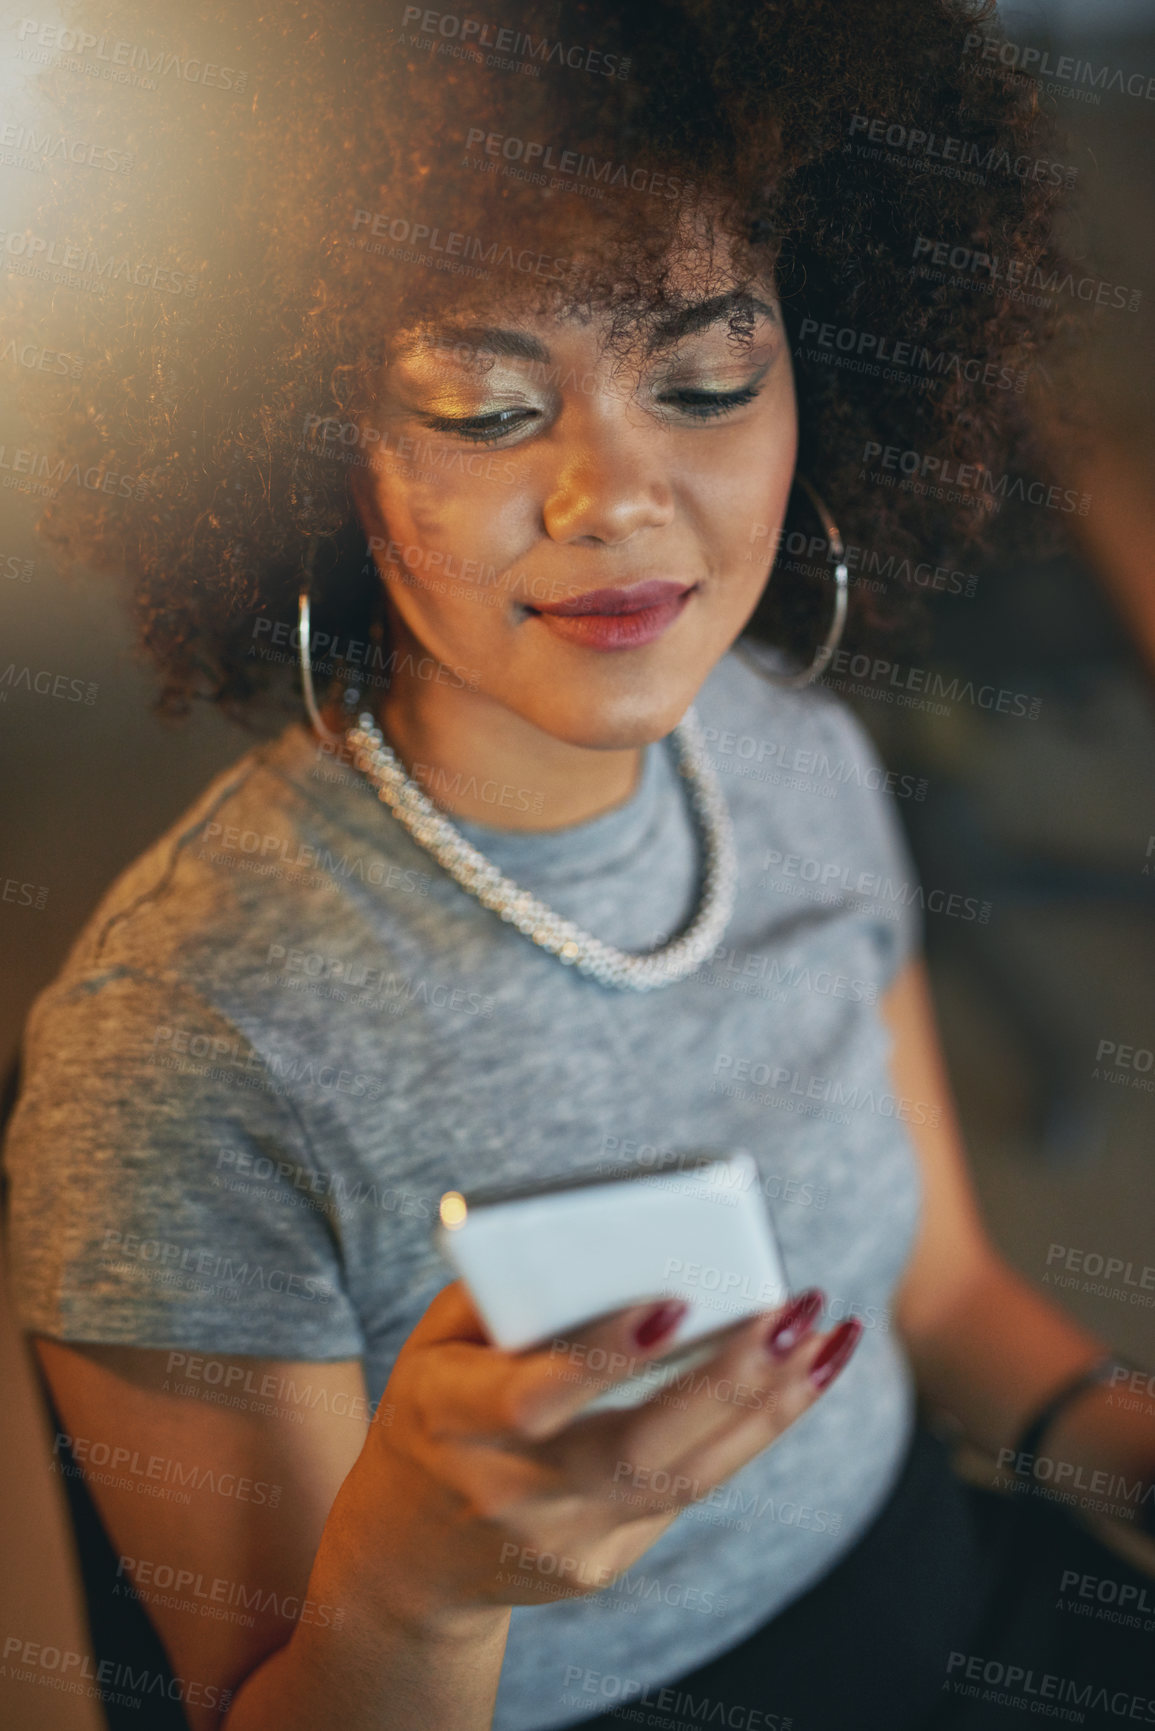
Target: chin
{"points": [[622, 723]]}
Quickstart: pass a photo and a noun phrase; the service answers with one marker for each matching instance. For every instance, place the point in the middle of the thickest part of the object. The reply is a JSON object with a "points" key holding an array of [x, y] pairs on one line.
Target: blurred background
{"points": [[1047, 1011]]}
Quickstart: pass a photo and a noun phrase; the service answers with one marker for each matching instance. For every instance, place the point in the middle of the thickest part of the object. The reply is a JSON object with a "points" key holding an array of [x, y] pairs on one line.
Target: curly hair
{"points": [[293, 183]]}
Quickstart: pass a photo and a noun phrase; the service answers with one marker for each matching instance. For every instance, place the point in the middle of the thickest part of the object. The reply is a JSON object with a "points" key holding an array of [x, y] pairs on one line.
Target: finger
{"points": [[732, 1446], [747, 1376], [479, 1391], [625, 1346], [452, 1315]]}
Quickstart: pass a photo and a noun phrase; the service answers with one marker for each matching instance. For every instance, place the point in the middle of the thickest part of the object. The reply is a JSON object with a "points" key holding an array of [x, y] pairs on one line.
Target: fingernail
{"points": [[660, 1321], [795, 1323], [836, 1352]]}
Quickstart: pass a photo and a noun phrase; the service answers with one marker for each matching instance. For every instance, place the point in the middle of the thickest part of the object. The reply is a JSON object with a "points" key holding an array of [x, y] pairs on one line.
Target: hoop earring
{"points": [[824, 655], [304, 651]]}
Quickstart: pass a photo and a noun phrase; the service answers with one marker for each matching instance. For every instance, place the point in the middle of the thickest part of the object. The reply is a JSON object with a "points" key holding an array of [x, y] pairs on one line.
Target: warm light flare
{"points": [[453, 1209]]}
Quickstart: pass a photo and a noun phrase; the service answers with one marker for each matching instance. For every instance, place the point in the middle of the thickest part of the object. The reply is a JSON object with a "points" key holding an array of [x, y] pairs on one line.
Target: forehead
{"points": [[524, 333], [692, 286]]}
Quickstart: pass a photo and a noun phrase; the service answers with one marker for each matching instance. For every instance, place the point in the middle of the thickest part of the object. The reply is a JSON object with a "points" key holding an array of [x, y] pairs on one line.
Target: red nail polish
{"points": [[795, 1323], [836, 1352], [660, 1321]]}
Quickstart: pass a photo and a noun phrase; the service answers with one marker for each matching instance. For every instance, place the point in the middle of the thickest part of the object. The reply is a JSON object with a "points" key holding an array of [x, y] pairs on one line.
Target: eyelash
{"points": [[478, 428], [704, 404], [701, 405]]}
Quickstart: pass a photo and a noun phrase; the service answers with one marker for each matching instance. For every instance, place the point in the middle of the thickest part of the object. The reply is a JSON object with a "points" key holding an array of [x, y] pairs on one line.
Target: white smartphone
{"points": [[539, 1263]]}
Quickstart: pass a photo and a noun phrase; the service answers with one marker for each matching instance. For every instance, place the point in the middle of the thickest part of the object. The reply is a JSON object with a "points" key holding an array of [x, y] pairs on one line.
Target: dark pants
{"points": [[949, 1614]]}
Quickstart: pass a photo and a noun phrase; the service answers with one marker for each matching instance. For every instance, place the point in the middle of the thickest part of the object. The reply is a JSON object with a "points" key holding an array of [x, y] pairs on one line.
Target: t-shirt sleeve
{"points": [[881, 877], [128, 1220]]}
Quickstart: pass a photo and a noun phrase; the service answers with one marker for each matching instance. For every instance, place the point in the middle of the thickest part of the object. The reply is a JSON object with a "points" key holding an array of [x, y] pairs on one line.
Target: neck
{"points": [[477, 760]]}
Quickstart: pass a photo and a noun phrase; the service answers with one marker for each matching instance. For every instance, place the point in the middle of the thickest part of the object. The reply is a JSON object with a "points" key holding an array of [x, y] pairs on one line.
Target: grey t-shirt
{"points": [[285, 1032]]}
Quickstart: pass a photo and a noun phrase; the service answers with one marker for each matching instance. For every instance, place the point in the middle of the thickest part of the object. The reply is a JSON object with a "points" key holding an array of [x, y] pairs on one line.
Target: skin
{"points": [[400, 1523], [628, 468]]}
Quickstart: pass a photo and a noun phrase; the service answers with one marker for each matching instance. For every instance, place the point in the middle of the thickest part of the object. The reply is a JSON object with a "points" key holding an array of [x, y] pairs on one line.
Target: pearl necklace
{"points": [[467, 866]]}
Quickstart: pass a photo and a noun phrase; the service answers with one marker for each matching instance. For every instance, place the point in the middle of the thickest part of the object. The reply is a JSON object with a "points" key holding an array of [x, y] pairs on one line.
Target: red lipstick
{"points": [[617, 618]]}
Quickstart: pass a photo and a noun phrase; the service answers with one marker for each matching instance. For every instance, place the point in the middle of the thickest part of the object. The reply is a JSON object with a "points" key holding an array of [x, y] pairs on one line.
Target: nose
{"points": [[610, 483]]}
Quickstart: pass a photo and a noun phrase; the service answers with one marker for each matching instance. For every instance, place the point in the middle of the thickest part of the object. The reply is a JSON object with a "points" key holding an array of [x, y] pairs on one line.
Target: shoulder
{"points": [[200, 892], [749, 719]]}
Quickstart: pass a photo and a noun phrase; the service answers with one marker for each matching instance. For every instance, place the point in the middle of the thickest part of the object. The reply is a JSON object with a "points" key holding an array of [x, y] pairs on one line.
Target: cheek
{"points": [[456, 535], [458, 512], [739, 500]]}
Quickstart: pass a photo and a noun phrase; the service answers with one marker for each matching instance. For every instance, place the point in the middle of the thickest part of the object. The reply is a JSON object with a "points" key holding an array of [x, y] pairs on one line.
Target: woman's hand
{"points": [[386, 1554], [481, 1484]]}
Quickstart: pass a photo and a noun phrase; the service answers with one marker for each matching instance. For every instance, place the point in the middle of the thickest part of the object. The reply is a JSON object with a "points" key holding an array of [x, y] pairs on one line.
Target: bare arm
{"points": [[251, 1606], [986, 1344], [370, 1591], [224, 1577]]}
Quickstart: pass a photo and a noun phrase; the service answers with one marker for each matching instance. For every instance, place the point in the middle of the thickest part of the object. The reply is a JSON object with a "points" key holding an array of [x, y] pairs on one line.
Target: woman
{"points": [[518, 307]]}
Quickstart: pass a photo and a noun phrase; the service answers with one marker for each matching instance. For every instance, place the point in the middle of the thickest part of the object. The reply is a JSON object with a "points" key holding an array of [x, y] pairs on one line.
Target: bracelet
{"points": [[1041, 1421], [1036, 1428]]}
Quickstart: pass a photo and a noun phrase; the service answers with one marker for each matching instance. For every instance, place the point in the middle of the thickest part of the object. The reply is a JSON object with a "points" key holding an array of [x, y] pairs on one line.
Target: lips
{"points": [[616, 618], [638, 598]]}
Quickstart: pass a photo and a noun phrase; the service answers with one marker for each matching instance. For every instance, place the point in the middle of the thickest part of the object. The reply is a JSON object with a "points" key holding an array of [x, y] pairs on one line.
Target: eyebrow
{"points": [[702, 314], [487, 339], [519, 345]]}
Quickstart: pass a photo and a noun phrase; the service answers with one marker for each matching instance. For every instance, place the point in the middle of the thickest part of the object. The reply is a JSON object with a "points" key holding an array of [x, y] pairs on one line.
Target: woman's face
{"points": [[583, 531]]}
